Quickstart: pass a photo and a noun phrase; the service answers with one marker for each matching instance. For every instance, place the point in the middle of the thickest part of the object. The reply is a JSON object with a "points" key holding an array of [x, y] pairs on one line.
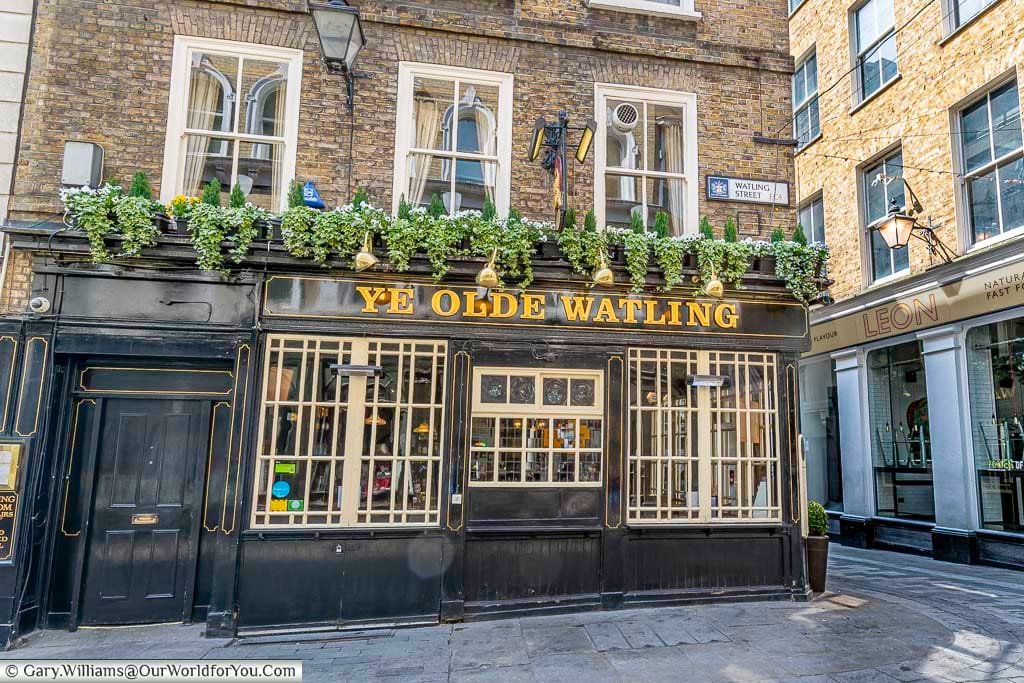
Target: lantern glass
{"points": [[340, 31], [539, 133], [586, 140], [896, 230]]}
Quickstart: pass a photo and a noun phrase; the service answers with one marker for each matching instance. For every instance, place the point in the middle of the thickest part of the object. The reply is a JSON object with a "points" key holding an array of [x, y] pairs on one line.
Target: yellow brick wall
{"points": [[936, 77], [17, 285]]}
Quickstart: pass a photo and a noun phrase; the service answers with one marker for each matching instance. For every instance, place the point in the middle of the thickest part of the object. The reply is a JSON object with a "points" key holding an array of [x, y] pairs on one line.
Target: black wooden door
{"points": [[140, 561]]}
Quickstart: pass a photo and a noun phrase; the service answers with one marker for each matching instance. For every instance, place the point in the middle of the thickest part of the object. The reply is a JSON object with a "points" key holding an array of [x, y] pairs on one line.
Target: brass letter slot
{"points": [[148, 518]]}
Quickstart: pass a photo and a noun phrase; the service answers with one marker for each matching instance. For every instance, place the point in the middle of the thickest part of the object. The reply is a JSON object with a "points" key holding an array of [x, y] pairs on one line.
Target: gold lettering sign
{"points": [[440, 303]]}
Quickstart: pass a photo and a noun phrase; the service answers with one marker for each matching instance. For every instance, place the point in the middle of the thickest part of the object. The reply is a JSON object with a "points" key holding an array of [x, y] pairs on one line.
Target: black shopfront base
{"points": [[129, 356]]}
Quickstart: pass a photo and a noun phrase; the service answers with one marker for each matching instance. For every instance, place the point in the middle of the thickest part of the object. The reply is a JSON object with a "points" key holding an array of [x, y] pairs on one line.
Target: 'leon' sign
{"points": [[431, 302]]}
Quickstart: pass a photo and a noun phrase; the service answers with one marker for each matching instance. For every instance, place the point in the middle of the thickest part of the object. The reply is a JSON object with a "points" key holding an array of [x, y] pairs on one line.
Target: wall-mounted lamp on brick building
{"points": [[341, 38], [554, 137], [901, 224]]}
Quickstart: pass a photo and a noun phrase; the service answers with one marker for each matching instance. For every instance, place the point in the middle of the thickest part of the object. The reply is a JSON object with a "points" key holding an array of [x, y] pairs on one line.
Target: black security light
{"points": [[341, 38]]}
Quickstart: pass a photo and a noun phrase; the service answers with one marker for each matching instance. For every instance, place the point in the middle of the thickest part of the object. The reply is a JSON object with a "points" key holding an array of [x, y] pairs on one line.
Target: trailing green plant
{"points": [[208, 227], [799, 236], [637, 245], [140, 186], [90, 210], [583, 247], [135, 216], [817, 519], [297, 230], [295, 196], [242, 222], [211, 193], [778, 236], [442, 236], [798, 265], [236, 200], [706, 231], [729, 232], [728, 261], [669, 253], [403, 236]]}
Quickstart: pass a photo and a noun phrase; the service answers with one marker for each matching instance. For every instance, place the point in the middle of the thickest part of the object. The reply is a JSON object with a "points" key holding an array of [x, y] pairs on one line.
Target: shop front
{"points": [[310, 451], [927, 383]]}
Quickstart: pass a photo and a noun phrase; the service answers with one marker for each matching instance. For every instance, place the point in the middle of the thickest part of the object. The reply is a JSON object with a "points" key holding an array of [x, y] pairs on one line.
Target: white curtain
{"points": [[205, 97], [427, 119], [487, 143], [672, 145]]}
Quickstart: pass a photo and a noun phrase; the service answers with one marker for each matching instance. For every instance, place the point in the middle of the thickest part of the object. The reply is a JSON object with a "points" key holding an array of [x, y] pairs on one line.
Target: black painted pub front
{"points": [[315, 449]]}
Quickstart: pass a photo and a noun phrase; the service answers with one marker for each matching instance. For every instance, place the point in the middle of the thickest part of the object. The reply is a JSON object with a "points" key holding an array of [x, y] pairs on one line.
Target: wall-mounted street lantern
{"points": [[554, 138], [341, 38], [901, 224]]}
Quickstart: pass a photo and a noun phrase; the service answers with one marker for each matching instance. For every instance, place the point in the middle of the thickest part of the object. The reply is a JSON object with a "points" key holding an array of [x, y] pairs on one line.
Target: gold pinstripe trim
{"points": [[238, 463], [42, 383], [10, 381], [71, 464], [209, 466]]}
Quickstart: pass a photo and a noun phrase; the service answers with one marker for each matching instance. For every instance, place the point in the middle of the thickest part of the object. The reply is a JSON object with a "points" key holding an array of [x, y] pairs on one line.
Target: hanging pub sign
{"points": [[431, 302], [747, 190]]}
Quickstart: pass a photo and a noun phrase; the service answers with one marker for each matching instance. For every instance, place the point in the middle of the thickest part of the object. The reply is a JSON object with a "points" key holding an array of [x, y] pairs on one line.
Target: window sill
{"points": [[962, 27], [888, 279], [870, 98], [809, 143], [644, 7], [984, 244]]}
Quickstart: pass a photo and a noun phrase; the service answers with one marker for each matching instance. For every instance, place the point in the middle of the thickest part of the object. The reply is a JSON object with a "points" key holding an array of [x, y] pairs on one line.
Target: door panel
{"points": [[147, 498]]}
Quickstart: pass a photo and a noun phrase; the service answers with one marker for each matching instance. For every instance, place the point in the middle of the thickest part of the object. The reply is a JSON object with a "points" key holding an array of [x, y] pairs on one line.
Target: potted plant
{"points": [[817, 546], [179, 209]]}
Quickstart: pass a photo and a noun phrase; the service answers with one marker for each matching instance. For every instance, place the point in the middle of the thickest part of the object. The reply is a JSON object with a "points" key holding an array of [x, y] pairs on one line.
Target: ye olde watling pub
{"points": [[302, 443]]}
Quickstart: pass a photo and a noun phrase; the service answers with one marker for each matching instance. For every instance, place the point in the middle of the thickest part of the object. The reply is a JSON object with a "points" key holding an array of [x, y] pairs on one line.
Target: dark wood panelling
{"points": [[499, 505], [660, 562], [516, 567]]}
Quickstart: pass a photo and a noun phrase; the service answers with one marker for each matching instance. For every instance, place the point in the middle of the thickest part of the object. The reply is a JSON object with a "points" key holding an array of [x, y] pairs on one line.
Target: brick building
{"points": [[914, 105], [446, 95]]}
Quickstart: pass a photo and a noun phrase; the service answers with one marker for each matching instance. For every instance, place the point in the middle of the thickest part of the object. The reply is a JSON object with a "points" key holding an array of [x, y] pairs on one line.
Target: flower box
{"points": [[163, 223], [764, 265], [179, 226]]}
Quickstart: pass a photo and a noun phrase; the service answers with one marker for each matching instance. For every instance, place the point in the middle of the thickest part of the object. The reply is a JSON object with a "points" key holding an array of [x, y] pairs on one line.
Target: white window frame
{"points": [[952, 20], [349, 456], [707, 440], [673, 98], [963, 194], [405, 131], [809, 229], [684, 10], [860, 51], [177, 108], [537, 410], [864, 182], [809, 98]]}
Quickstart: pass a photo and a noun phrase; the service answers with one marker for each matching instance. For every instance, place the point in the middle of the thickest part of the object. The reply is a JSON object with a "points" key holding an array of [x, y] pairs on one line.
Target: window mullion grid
{"points": [[273, 444], [704, 435], [428, 499], [657, 414], [396, 438], [352, 459]]}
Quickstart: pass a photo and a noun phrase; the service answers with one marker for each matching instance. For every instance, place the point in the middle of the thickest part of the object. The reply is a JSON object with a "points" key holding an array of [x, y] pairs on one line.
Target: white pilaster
{"points": [[851, 390]]}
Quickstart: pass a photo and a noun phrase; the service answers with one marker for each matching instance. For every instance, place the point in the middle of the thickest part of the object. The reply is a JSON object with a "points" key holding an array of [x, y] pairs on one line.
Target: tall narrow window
{"points": [[335, 450], [646, 157], [703, 437], [811, 217], [992, 154], [806, 126], [875, 39], [883, 183], [232, 117], [453, 137], [536, 428]]}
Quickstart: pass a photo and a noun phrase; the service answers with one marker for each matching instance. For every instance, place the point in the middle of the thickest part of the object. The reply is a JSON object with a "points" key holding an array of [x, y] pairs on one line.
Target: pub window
{"points": [[703, 437], [233, 117], [453, 137], [534, 428], [339, 450]]}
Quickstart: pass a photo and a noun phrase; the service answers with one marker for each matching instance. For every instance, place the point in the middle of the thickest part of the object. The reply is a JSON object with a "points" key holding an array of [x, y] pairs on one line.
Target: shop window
{"points": [[900, 438], [806, 126], [702, 451], [992, 158], [819, 426], [646, 157], [532, 428], [883, 183], [995, 371], [453, 137], [233, 117], [874, 28], [337, 450]]}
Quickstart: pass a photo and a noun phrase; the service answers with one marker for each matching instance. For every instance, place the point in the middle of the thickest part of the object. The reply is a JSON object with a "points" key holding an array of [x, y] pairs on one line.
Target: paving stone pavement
{"points": [[886, 617]]}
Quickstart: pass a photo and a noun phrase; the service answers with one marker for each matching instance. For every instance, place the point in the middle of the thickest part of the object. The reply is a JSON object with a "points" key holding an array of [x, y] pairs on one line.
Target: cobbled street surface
{"points": [[886, 617]]}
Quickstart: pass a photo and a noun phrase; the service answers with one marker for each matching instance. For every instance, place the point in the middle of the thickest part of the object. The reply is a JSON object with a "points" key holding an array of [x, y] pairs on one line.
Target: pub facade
{"points": [[327, 434]]}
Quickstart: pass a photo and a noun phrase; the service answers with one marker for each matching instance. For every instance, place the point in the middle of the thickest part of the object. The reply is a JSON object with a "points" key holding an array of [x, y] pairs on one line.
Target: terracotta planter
{"points": [[817, 562]]}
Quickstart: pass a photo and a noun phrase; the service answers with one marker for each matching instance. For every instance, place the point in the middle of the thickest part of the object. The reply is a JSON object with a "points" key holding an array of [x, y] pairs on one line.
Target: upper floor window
{"points": [[794, 4], [233, 117], [962, 11], [646, 157], [875, 39], [883, 184], [680, 9], [992, 158], [811, 218], [453, 137], [806, 126]]}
